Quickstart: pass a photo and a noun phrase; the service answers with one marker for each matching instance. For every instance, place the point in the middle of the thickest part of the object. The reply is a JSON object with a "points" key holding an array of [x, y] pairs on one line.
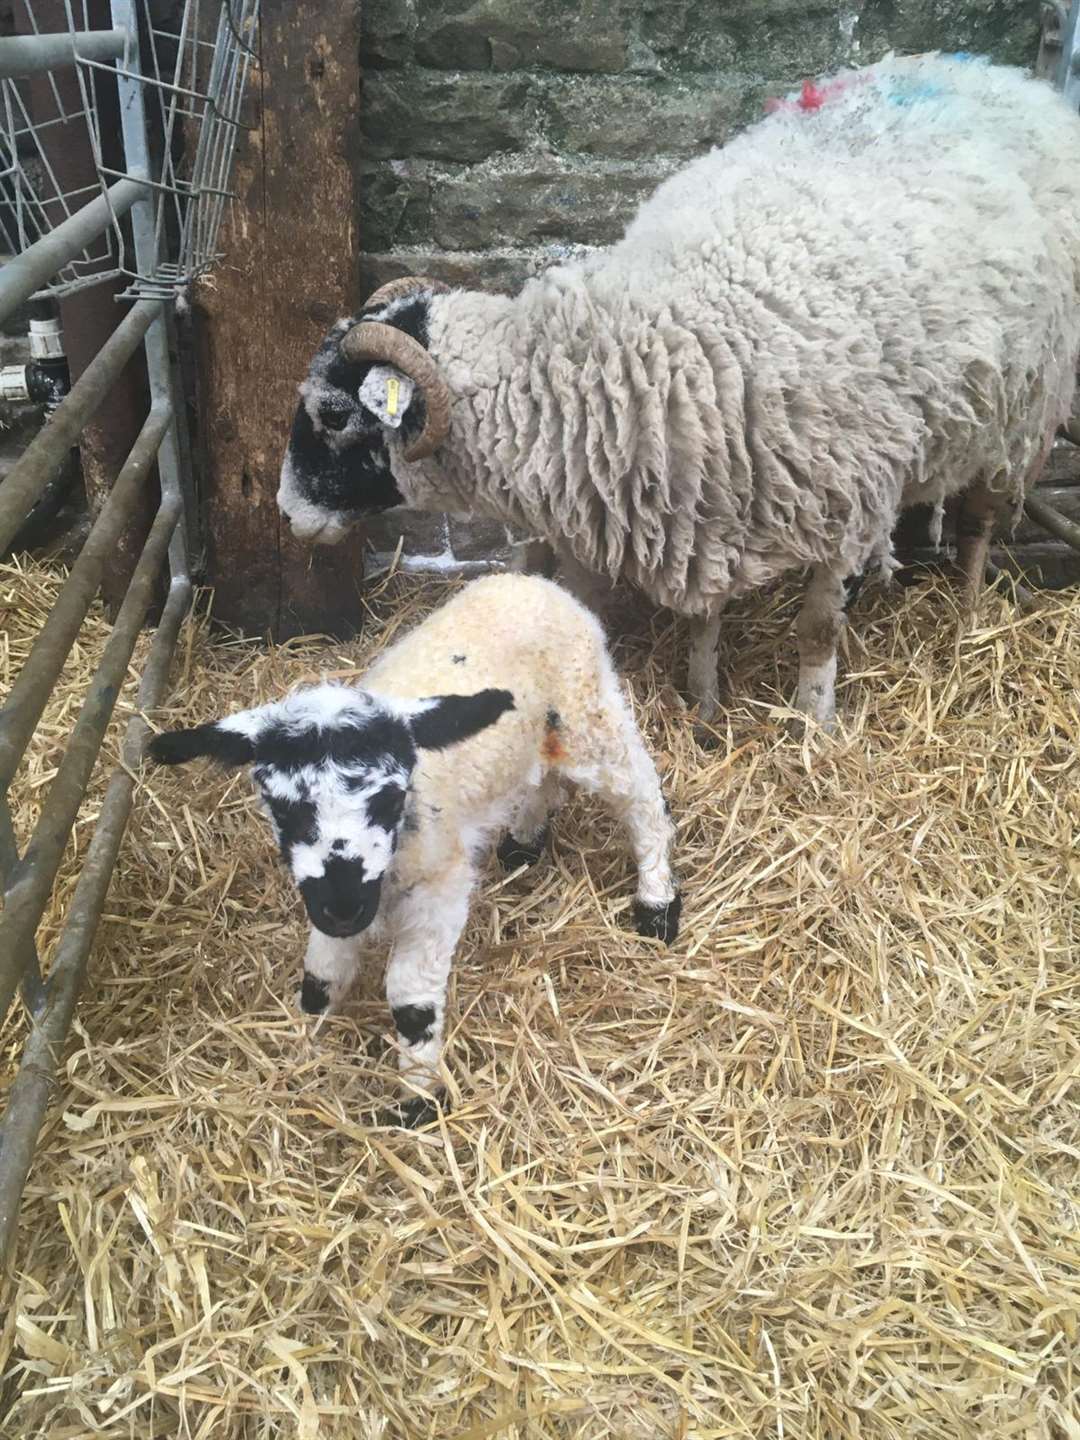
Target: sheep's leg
{"points": [[819, 627], [974, 526], [585, 585], [330, 967], [703, 676], [627, 782], [532, 557], [427, 927], [524, 843]]}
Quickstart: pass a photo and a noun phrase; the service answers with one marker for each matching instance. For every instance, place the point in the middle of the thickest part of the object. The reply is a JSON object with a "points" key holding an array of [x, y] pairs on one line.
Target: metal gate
{"points": [[153, 222]]}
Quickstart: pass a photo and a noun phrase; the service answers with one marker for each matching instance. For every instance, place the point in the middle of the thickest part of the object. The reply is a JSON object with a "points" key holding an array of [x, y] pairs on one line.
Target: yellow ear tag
{"points": [[392, 387]]}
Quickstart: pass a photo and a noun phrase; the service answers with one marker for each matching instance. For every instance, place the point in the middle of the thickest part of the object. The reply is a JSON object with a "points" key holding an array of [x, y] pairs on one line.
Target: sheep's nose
{"points": [[343, 914], [286, 516]]}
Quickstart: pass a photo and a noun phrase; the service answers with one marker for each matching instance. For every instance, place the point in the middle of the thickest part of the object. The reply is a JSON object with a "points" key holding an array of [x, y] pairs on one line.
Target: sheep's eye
{"points": [[334, 419]]}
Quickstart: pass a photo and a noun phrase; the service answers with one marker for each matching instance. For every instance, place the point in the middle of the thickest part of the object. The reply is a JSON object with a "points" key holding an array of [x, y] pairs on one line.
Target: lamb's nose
{"points": [[286, 517]]}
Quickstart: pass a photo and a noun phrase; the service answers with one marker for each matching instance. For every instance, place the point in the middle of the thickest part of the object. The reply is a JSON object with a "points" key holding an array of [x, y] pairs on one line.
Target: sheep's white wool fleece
{"points": [[506, 632], [875, 301]]}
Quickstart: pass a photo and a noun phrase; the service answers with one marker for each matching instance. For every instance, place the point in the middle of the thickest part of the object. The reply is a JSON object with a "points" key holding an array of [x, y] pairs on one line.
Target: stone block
{"points": [[586, 35], [774, 39], [395, 204], [477, 539], [387, 31], [1004, 30], [501, 272], [421, 533], [541, 199], [636, 118], [464, 118]]}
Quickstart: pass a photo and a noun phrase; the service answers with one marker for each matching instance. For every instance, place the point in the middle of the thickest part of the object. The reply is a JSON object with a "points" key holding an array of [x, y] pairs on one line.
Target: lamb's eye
{"points": [[334, 419]]}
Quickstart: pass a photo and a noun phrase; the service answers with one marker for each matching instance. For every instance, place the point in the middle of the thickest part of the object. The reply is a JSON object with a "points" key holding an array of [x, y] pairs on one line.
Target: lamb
{"points": [[384, 794], [865, 302]]}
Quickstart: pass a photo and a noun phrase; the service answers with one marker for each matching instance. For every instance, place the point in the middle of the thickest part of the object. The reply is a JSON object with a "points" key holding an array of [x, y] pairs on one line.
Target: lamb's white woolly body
{"points": [[570, 721], [844, 311]]}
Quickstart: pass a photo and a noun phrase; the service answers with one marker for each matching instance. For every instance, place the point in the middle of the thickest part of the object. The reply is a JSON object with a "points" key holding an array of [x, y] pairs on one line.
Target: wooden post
{"points": [[289, 245]]}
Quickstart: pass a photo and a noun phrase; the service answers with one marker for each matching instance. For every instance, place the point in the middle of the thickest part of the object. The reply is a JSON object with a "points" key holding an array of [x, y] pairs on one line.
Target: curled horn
{"points": [[407, 285], [372, 340]]}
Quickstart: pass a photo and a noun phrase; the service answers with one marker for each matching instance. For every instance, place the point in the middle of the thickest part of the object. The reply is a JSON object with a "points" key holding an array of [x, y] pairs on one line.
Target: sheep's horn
{"points": [[371, 340], [407, 285]]}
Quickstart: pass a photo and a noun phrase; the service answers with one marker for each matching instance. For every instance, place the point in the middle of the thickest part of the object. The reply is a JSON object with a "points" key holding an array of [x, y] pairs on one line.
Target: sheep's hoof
{"points": [[706, 738], [413, 1113], [515, 853], [658, 922]]}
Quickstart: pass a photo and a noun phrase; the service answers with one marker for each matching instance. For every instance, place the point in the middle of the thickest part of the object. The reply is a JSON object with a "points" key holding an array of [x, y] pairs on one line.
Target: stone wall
{"points": [[500, 136]]}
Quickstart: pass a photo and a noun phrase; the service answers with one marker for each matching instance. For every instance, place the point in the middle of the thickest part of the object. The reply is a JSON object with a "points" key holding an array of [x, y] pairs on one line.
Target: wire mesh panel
{"points": [[190, 62]]}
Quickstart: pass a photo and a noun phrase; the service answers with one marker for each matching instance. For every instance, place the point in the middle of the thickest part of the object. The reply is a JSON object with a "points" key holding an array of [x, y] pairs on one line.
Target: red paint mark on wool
{"points": [[813, 97]]}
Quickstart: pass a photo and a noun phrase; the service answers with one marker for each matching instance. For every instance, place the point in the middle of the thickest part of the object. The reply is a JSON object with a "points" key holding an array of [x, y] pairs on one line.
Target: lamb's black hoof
{"points": [[515, 853], [658, 922], [314, 995], [415, 1112]]}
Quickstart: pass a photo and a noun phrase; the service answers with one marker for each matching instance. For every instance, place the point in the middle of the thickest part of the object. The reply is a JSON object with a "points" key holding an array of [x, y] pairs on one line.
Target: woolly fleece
{"points": [[865, 305]]}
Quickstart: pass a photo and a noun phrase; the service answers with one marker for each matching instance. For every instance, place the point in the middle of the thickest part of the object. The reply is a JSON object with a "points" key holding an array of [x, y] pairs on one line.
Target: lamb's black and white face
{"points": [[333, 769], [336, 470], [333, 765]]}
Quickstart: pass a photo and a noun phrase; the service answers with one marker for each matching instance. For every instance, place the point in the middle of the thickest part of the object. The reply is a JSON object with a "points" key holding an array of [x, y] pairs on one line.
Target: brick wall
{"points": [[500, 136]]}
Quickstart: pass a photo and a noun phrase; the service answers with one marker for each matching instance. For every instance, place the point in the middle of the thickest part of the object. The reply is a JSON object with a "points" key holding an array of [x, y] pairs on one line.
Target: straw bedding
{"points": [[813, 1173]]}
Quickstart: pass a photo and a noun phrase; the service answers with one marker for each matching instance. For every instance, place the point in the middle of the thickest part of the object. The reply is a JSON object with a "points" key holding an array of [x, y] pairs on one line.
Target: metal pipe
{"points": [[30, 968], [26, 272], [147, 254], [30, 54], [31, 883], [30, 692], [1022, 596], [30, 1092], [1068, 76], [48, 451], [1053, 520]]}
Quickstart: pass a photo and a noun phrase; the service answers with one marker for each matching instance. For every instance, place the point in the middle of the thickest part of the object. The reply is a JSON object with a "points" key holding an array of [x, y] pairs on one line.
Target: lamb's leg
{"points": [[703, 676], [330, 967], [819, 627], [524, 843], [627, 782], [427, 927], [974, 526]]}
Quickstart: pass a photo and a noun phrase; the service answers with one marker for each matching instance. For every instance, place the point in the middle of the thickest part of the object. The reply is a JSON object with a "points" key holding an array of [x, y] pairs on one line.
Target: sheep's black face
{"points": [[337, 467], [328, 487]]}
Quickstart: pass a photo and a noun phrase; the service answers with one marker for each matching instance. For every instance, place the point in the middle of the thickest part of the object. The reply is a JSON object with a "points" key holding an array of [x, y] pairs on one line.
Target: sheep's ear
{"points": [[218, 741], [447, 719]]}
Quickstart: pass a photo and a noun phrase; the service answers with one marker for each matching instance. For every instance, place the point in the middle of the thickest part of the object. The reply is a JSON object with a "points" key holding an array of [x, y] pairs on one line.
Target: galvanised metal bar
{"points": [[27, 272], [31, 884], [30, 54], [48, 451], [1053, 520], [147, 253], [32, 987], [1068, 76], [30, 692], [30, 1093]]}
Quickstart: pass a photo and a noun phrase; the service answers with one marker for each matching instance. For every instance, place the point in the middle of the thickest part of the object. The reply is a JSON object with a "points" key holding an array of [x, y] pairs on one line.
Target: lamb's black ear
{"points": [[447, 719], [214, 742]]}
